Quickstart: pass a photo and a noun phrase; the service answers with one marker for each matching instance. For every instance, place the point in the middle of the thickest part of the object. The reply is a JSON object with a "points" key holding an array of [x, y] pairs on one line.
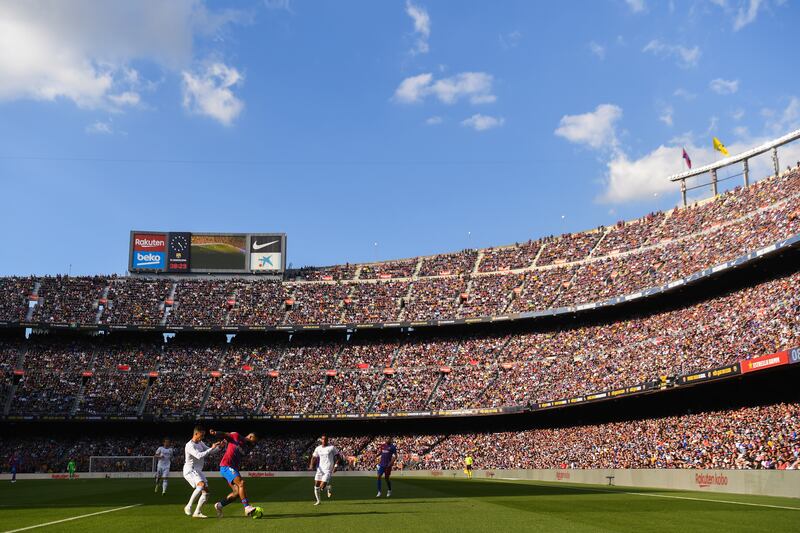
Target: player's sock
{"points": [[388, 485], [316, 493], [194, 496], [224, 501], [379, 484], [330, 490], [201, 502], [245, 502], [164, 486]]}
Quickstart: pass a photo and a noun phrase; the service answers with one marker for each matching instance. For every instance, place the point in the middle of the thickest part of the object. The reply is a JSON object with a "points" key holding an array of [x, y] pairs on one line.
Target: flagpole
{"points": [[714, 181]]}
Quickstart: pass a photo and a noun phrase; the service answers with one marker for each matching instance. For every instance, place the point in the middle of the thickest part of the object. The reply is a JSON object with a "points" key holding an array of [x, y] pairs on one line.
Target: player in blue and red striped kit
{"points": [[236, 447], [388, 456], [13, 463]]}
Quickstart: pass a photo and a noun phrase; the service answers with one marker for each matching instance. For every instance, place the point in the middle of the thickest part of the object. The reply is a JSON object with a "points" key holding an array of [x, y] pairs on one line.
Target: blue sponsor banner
{"points": [[794, 356], [149, 260]]}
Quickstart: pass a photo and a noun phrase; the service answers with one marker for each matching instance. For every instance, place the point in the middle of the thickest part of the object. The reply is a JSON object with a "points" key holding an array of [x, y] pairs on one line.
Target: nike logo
{"points": [[257, 246]]}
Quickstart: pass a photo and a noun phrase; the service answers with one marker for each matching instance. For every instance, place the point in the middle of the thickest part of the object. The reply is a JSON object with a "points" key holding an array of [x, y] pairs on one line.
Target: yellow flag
{"points": [[719, 147]]}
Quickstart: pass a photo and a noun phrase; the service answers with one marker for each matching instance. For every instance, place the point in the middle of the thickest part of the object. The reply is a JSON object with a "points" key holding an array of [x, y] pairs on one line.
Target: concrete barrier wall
{"points": [[784, 483]]}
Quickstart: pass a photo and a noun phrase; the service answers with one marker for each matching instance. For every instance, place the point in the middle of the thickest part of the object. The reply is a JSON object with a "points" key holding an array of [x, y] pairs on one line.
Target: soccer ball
{"points": [[257, 513]]}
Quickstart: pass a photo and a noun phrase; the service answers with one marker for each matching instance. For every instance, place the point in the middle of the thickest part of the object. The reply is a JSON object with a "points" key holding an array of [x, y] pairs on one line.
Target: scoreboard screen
{"points": [[185, 252]]}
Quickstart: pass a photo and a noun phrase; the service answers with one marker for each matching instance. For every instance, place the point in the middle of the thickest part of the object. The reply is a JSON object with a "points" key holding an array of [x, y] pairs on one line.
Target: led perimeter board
{"points": [[207, 253]]}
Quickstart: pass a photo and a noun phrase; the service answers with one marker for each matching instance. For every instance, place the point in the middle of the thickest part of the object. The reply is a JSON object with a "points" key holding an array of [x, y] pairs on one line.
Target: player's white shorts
{"points": [[162, 471], [193, 477], [323, 476]]}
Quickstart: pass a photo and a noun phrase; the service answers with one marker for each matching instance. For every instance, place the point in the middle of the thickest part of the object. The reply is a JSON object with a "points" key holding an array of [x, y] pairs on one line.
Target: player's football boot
{"points": [[218, 508], [249, 509], [199, 515], [388, 494], [188, 510], [378, 495]]}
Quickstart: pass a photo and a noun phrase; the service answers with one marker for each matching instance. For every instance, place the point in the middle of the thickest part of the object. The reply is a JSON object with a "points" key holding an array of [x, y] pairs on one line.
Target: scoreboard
{"points": [[210, 253]]}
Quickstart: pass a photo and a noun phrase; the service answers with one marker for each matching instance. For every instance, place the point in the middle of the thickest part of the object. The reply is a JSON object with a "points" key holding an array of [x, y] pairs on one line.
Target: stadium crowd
{"points": [[553, 272], [761, 437], [409, 371]]}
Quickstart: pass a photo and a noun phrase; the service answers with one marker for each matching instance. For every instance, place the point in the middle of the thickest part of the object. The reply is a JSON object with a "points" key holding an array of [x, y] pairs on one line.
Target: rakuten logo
{"points": [[144, 242], [150, 242], [707, 480]]}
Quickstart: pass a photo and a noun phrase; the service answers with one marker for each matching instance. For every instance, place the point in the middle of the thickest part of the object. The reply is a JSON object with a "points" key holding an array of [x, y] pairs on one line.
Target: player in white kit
{"points": [[326, 459], [196, 451], [164, 455]]}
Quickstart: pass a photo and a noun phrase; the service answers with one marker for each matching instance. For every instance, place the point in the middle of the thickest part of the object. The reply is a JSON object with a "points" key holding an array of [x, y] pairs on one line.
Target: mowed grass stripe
{"points": [[655, 493], [70, 519], [417, 504]]}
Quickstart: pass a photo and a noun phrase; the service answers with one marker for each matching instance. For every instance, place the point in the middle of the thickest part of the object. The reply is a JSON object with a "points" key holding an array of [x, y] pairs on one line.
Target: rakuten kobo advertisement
{"points": [[148, 251]]}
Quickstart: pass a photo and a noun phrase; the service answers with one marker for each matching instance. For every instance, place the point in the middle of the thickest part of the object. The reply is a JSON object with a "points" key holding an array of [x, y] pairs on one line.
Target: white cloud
{"points": [[433, 121], [686, 57], [712, 125], [683, 93], [746, 16], [637, 6], [422, 26], [738, 114], [785, 120], [413, 89], [278, 5], [83, 50], [722, 86], [597, 49], [480, 122], [210, 92], [639, 179], [596, 128], [100, 128], [630, 179], [474, 86], [127, 98], [666, 115], [511, 39]]}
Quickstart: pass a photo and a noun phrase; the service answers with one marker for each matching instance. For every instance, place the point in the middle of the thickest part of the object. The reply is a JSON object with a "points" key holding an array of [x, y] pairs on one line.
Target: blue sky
{"points": [[423, 126]]}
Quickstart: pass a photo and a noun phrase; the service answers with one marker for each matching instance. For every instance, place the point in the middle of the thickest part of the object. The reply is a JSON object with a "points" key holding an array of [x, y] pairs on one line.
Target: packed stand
{"points": [[434, 298], [316, 303], [259, 303], [510, 257], [374, 302], [69, 300], [137, 301], [14, 293], [750, 438], [203, 302], [456, 264], [390, 269]]}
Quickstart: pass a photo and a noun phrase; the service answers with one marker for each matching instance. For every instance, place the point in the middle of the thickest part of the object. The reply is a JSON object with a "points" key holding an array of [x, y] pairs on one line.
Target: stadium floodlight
{"points": [[743, 158], [122, 464]]}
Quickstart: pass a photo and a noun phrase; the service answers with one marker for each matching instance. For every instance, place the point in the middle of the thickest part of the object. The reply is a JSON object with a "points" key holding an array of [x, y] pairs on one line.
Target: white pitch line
{"points": [[73, 518], [664, 496], [715, 501]]}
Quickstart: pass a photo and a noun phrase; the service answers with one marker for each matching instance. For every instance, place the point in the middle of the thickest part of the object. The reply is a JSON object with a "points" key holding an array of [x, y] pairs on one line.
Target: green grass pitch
{"points": [[417, 504]]}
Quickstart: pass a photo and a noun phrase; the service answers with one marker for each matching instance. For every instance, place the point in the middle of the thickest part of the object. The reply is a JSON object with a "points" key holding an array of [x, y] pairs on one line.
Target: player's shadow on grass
{"points": [[322, 515]]}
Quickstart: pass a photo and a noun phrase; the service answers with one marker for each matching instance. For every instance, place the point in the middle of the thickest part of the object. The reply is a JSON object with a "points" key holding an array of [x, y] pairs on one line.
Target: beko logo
{"points": [[149, 243], [144, 259], [257, 246]]}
